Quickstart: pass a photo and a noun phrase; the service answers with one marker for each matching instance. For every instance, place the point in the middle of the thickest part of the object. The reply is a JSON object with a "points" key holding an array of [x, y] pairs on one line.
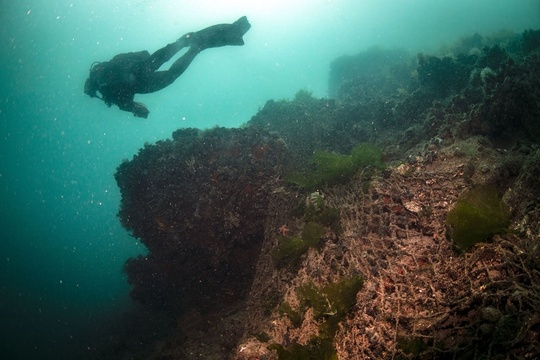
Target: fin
{"points": [[243, 25], [221, 35]]}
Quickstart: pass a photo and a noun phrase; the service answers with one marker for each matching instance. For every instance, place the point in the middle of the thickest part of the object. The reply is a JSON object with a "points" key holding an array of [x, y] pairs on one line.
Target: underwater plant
{"points": [[331, 304], [289, 249], [479, 213], [294, 316], [331, 168]]}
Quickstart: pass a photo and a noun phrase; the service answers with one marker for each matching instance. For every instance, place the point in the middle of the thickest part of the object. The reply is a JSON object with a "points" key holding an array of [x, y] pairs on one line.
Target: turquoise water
{"points": [[62, 248]]}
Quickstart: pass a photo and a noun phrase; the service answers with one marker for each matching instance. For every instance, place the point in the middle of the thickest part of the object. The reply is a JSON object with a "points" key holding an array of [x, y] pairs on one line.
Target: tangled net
{"points": [[421, 298]]}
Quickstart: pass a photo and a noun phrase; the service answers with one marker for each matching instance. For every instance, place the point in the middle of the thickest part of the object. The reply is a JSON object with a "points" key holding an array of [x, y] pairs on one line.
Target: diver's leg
{"points": [[161, 79], [165, 54]]}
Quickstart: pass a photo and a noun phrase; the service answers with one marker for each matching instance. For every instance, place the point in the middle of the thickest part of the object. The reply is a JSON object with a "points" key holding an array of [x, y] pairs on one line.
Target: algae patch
{"points": [[330, 168], [479, 213], [289, 249], [330, 304]]}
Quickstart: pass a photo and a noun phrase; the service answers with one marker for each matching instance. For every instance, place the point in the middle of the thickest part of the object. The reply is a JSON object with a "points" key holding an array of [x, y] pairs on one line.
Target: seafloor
{"points": [[398, 219]]}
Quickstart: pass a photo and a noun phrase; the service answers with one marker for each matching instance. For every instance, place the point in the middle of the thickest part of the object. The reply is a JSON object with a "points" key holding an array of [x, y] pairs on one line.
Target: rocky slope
{"points": [[355, 260]]}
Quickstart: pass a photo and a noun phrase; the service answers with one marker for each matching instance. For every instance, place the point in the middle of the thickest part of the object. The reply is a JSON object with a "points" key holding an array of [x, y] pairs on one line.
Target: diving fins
{"points": [[221, 35]]}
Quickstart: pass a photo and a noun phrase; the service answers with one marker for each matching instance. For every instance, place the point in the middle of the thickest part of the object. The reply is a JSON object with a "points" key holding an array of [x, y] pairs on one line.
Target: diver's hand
{"points": [[139, 110]]}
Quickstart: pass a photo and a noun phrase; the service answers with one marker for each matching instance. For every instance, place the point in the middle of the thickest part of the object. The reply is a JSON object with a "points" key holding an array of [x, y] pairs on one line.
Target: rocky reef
{"points": [[198, 202], [252, 263]]}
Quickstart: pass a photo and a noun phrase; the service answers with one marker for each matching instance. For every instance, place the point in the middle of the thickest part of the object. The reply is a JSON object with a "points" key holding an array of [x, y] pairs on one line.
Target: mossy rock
{"points": [[478, 215]]}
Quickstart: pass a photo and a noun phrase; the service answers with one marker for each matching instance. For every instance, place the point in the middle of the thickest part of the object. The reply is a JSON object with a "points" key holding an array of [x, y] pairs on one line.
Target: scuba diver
{"points": [[118, 80]]}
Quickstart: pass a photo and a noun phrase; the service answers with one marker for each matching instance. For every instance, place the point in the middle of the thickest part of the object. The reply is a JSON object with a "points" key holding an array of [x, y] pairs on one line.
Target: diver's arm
{"points": [[122, 96], [138, 109]]}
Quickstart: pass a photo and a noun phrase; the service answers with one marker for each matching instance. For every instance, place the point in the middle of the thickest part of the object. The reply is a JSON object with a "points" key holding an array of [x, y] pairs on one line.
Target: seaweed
{"points": [[478, 214], [305, 96], [289, 249], [293, 315], [330, 168], [312, 233], [443, 76], [262, 337], [326, 216], [331, 304]]}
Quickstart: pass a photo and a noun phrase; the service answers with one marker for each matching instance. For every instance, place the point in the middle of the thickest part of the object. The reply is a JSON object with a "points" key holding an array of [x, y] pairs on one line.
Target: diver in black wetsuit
{"points": [[118, 80]]}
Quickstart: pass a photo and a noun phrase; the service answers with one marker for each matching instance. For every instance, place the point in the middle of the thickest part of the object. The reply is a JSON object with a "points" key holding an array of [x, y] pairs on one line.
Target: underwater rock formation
{"points": [[372, 74], [484, 85], [223, 226], [198, 202]]}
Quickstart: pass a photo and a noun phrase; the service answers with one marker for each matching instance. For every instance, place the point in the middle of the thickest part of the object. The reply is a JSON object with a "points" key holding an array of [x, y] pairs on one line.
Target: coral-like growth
{"points": [[478, 214]]}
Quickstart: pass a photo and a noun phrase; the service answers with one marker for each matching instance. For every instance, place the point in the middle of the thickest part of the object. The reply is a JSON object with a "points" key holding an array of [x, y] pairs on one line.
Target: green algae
{"points": [[290, 249], [331, 304], [262, 337], [330, 168], [295, 316], [324, 215], [479, 214]]}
